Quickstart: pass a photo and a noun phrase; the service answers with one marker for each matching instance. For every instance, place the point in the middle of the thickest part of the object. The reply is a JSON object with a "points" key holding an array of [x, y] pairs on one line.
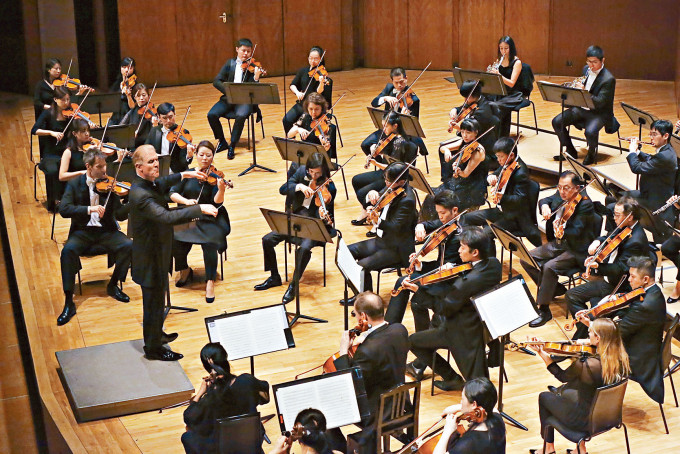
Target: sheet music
{"points": [[253, 333], [506, 309], [334, 396], [349, 266]]}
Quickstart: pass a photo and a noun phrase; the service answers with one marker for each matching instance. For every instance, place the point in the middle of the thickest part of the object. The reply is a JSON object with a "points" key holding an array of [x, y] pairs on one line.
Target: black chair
{"points": [[93, 252], [287, 244], [240, 434], [529, 74], [258, 119], [606, 413], [666, 356]]}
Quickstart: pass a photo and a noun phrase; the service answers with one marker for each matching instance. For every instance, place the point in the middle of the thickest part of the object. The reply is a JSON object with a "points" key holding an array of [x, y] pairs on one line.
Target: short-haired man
{"points": [[180, 157]]}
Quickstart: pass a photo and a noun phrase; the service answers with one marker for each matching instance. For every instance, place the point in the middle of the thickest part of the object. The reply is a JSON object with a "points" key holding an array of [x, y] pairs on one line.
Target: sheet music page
{"points": [[349, 266], [506, 309]]}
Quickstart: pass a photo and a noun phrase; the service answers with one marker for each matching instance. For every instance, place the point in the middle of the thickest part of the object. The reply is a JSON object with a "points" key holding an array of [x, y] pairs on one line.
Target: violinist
{"points": [[389, 97], [512, 212], [601, 85], [302, 194], [394, 143], [393, 243], [44, 90], [51, 125], [123, 84], [311, 434], [181, 157], [309, 79], [316, 108], [72, 165], [134, 116], [210, 233], [569, 217], [232, 71], [380, 354], [93, 222], [221, 394], [485, 437], [446, 204], [571, 402], [607, 271], [461, 329], [641, 327]]}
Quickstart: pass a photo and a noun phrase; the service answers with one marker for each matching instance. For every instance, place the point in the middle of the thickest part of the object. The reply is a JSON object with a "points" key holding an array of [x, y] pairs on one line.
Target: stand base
{"points": [[513, 421], [256, 166], [297, 316], [178, 308]]}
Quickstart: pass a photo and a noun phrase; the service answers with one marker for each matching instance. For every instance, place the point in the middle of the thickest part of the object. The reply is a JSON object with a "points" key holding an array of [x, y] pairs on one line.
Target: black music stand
{"points": [[351, 272], [492, 84], [302, 227], [100, 103], [409, 122], [512, 244], [416, 179], [252, 94], [586, 174], [638, 117], [565, 96], [298, 151], [122, 135]]}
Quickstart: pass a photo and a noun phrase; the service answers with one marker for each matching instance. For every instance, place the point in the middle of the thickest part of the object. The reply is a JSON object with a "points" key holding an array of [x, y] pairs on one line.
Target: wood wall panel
{"points": [[347, 35], [481, 25], [677, 71], [528, 23], [385, 37], [259, 21], [428, 40]]}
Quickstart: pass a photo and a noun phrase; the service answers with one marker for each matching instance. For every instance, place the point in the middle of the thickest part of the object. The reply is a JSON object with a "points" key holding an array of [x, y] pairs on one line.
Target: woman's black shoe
{"points": [[363, 221], [670, 300]]}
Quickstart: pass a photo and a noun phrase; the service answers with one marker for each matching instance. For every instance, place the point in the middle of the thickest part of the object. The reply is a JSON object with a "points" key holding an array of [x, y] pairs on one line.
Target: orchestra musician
{"points": [[310, 432], [608, 272], [512, 212], [568, 241], [44, 90], [641, 327], [316, 108], [671, 250], [487, 436], [302, 200], [123, 85], [461, 329], [211, 234], [134, 116], [93, 222], [72, 164], [601, 85], [381, 355], [393, 243], [308, 80], [571, 402], [180, 157], [151, 223], [221, 394], [446, 204], [232, 71]]}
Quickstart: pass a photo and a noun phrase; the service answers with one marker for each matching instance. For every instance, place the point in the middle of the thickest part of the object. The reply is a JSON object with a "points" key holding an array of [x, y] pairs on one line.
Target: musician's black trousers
{"points": [[578, 297]]}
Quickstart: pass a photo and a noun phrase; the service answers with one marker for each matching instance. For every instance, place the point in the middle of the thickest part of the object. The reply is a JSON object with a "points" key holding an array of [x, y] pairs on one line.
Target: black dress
{"points": [[76, 163], [512, 100], [490, 441], [123, 108], [43, 94], [51, 155], [470, 189], [301, 80], [132, 118], [220, 401]]}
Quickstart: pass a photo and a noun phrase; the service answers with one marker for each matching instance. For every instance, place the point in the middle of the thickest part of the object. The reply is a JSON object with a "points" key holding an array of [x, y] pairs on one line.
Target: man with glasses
{"points": [[601, 85]]}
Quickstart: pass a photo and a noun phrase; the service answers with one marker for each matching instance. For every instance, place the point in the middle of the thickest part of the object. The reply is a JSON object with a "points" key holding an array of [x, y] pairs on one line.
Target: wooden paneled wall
{"points": [[180, 42]]}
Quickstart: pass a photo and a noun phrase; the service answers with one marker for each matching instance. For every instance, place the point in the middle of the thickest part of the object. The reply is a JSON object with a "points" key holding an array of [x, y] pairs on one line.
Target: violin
{"points": [[318, 71], [148, 111], [558, 348], [406, 99], [608, 246], [250, 65], [321, 127], [617, 302], [322, 196], [504, 178], [434, 239], [107, 148], [70, 83], [181, 138], [128, 82], [329, 365], [455, 122], [465, 153], [110, 184], [388, 196], [435, 276], [379, 149], [569, 209], [215, 175], [74, 111]]}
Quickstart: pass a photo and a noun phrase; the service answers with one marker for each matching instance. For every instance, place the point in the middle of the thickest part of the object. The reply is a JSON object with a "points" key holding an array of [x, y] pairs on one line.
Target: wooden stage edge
{"points": [[102, 320]]}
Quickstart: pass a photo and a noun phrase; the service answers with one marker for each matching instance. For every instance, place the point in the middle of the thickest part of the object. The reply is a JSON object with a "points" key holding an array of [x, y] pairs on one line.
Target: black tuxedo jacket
{"points": [[226, 74], [152, 229], [657, 174], [635, 245], [579, 232], [515, 201], [602, 92], [450, 246], [76, 200], [400, 223], [641, 328], [389, 91], [294, 198], [178, 158]]}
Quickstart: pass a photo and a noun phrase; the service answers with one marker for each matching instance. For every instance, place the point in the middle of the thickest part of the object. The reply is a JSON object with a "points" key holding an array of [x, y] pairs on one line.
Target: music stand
{"points": [[100, 103], [409, 122], [675, 143], [252, 94], [638, 117], [565, 96], [351, 272], [512, 244], [586, 174], [492, 84], [299, 151], [416, 179], [302, 227], [122, 135]]}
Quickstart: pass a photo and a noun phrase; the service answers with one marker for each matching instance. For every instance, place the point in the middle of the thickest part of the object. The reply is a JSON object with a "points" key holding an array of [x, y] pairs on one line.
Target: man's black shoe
{"points": [[589, 160], [230, 153], [167, 338], [450, 385], [272, 281], [371, 234], [561, 157], [290, 294], [116, 293], [349, 302], [164, 355], [221, 146], [544, 316], [67, 314], [414, 372]]}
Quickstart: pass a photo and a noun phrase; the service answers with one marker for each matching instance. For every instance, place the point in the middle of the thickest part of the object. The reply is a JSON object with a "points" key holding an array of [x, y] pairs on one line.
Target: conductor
{"points": [[152, 230]]}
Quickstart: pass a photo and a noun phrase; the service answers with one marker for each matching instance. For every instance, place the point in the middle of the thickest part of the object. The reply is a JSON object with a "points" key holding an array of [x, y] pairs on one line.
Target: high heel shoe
{"points": [[671, 300], [183, 282], [363, 221], [209, 299]]}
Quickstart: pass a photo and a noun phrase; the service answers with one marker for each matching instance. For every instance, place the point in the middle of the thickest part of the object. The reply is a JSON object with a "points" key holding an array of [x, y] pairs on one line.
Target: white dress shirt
{"points": [[94, 201], [238, 72]]}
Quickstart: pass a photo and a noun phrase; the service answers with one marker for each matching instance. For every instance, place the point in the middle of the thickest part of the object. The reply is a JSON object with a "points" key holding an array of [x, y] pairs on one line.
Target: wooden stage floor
{"points": [[102, 320]]}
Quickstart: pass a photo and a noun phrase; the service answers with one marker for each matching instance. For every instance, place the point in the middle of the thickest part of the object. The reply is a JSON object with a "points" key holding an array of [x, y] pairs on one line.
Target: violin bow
{"points": [[146, 108], [333, 174], [312, 76], [567, 201], [68, 71], [410, 87], [391, 186], [75, 112], [181, 129], [459, 155], [248, 60]]}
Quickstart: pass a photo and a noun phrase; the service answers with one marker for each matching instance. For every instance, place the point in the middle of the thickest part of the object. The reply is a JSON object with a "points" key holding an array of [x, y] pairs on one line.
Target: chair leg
{"points": [[337, 127], [262, 126], [35, 182], [663, 416], [670, 376], [505, 375], [30, 148], [427, 167], [625, 434], [434, 357], [324, 265], [618, 134], [517, 130], [535, 120], [80, 284], [221, 267], [54, 217], [342, 170], [285, 258], [377, 287]]}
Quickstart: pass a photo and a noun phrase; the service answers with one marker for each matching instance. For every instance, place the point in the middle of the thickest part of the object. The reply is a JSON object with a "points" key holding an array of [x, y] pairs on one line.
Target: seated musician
{"points": [[486, 436], [512, 211], [316, 108], [92, 223], [601, 85], [446, 204], [394, 143], [139, 115], [380, 353], [571, 402], [389, 97], [393, 243], [308, 80], [71, 164], [641, 327], [210, 233], [232, 71], [461, 330], [482, 111], [671, 250], [301, 197], [127, 78], [607, 271], [221, 394], [180, 157], [310, 433], [569, 217]]}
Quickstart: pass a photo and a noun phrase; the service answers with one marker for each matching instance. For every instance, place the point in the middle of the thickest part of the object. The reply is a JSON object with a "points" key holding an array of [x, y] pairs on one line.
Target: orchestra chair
{"points": [[389, 269], [289, 245], [448, 360], [606, 413], [337, 128], [239, 434], [666, 357], [94, 251], [258, 119], [527, 101]]}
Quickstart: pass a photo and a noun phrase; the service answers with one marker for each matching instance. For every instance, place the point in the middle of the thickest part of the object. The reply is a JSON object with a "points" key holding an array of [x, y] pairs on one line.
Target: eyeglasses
{"points": [[564, 188]]}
